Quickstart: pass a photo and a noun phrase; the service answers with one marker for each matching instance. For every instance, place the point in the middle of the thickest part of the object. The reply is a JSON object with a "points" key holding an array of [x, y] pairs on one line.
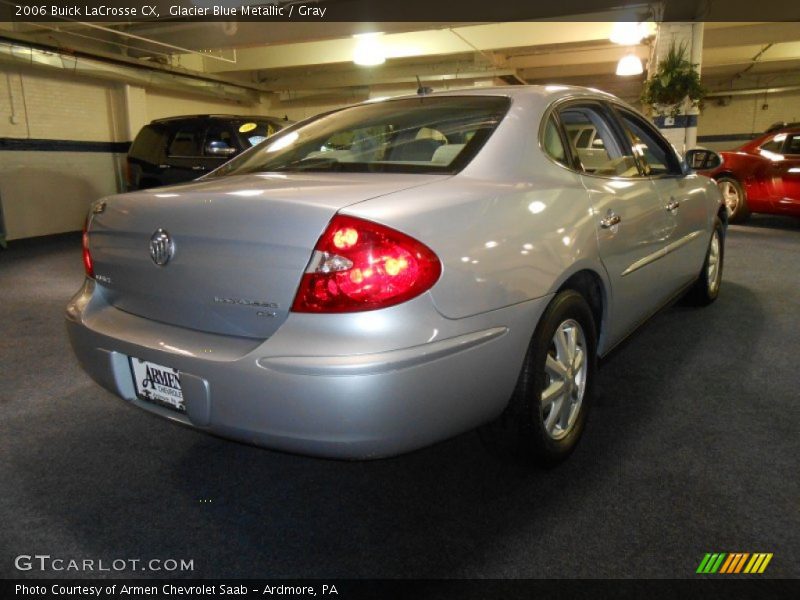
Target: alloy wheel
{"points": [[730, 193], [566, 368], [714, 272]]}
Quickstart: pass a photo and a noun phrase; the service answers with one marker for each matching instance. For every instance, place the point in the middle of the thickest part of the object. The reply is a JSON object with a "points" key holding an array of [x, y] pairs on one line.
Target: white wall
{"points": [[745, 115], [45, 192], [167, 104]]}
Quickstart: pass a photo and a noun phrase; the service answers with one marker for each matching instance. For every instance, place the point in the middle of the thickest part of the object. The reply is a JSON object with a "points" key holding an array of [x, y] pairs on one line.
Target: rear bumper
{"points": [[345, 386]]}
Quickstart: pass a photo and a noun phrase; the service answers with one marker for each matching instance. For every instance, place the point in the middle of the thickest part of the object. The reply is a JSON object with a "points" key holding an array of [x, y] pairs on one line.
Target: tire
{"points": [[706, 288], [735, 199], [528, 431]]}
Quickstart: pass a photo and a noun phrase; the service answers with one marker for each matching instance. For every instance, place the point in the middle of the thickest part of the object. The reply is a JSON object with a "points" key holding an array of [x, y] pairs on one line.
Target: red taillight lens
{"points": [[359, 265], [88, 266]]}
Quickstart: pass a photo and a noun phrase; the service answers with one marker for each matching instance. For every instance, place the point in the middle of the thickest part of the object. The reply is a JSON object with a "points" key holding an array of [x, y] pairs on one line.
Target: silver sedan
{"points": [[391, 274]]}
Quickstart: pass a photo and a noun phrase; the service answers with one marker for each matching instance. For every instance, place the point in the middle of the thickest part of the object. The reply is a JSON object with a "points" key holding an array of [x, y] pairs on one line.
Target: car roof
{"points": [[789, 129], [543, 93], [549, 92], [782, 126], [229, 117]]}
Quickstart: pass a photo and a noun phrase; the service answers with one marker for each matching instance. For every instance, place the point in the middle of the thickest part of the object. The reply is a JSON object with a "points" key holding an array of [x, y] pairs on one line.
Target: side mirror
{"points": [[700, 159], [219, 148]]}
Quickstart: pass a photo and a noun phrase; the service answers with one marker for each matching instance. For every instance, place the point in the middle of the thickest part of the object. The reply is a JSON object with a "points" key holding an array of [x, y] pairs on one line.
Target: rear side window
{"points": [[552, 144], [603, 155], [187, 141], [149, 143]]}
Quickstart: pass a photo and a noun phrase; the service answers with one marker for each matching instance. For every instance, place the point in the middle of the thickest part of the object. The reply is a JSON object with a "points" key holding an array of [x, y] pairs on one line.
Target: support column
{"points": [[135, 103], [681, 131]]}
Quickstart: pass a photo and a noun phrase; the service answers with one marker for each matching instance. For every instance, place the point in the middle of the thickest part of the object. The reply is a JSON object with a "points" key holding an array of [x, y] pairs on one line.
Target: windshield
{"points": [[416, 135]]}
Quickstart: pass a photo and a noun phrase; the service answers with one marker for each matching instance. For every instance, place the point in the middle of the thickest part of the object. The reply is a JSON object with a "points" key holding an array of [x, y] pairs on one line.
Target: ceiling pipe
{"points": [[753, 91], [20, 55]]}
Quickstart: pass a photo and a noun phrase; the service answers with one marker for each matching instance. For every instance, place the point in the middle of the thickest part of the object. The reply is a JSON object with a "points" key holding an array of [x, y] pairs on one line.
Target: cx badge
{"points": [[162, 248]]}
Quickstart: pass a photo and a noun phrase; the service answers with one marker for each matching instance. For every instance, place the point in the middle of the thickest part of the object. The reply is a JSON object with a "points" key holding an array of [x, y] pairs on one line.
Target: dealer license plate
{"points": [[158, 384]]}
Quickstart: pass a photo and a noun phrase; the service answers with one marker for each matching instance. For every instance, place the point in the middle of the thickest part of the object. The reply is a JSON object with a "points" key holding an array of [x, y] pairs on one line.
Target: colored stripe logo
{"points": [[734, 562]]}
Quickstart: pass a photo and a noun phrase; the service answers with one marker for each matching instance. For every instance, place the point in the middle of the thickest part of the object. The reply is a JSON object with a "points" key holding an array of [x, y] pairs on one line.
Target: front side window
{"points": [[775, 145], [655, 154], [594, 144], [418, 135]]}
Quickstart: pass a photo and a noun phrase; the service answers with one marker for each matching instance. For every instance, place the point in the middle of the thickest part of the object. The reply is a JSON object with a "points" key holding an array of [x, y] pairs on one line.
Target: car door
{"points": [[632, 225], [682, 198], [785, 173], [184, 160]]}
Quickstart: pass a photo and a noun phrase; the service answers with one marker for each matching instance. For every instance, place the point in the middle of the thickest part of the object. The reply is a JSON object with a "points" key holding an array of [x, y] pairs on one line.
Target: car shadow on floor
{"points": [[779, 222], [122, 482]]}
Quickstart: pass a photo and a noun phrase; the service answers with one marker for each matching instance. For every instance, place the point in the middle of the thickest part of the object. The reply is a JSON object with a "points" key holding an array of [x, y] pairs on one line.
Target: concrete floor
{"points": [[692, 447]]}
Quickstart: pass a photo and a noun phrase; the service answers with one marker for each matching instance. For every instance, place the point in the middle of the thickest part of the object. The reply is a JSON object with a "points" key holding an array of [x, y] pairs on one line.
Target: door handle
{"points": [[198, 168], [673, 205], [610, 220], [163, 166]]}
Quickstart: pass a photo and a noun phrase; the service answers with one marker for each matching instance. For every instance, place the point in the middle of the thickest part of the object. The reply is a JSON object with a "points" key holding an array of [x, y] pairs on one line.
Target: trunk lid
{"points": [[240, 245]]}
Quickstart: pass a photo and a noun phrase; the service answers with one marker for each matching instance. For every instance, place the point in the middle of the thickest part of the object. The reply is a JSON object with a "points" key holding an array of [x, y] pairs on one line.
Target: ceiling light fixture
{"points": [[630, 64], [628, 33], [368, 51]]}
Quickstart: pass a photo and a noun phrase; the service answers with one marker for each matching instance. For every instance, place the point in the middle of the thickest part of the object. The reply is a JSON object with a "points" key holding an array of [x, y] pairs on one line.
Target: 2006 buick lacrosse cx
{"points": [[390, 274]]}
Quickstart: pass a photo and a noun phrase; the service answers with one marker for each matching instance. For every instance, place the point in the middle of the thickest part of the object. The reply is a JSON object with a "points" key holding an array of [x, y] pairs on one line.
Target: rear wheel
{"points": [[735, 199], [547, 412]]}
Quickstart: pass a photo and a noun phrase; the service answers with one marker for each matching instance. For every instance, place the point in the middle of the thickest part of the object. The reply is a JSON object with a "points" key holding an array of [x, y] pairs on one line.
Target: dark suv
{"points": [[179, 149]]}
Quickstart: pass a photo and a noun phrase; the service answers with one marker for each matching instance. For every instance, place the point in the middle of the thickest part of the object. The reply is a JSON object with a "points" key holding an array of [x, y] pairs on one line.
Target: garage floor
{"points": [[692, 447]]}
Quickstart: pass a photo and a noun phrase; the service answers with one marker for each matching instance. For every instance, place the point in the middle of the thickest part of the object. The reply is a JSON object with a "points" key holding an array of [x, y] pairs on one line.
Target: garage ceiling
{"points": [[299, 59]]}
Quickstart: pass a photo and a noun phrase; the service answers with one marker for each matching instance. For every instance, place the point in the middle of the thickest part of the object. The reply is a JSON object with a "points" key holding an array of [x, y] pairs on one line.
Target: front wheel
{"points": [[547, 412]]}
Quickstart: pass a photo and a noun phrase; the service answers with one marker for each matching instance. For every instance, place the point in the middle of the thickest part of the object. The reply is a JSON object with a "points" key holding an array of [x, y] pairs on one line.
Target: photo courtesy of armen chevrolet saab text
{"points": [[388, 275]]}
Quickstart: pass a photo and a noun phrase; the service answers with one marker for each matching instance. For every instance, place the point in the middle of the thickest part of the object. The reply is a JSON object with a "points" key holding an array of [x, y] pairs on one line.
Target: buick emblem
{"points": [[162, 248]]}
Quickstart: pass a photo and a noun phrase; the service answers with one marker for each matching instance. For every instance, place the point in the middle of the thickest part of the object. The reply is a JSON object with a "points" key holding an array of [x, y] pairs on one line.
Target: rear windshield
{"points": [[253, 132], [149, 143], [417, 135]]}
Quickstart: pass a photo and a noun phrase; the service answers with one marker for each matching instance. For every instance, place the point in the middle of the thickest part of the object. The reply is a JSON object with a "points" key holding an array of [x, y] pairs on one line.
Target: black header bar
{"points": [[397, 589], [282, 11]]}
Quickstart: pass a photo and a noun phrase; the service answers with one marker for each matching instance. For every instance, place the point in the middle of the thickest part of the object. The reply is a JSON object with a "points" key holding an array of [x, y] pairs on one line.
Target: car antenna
{"points": [[421, 90]]}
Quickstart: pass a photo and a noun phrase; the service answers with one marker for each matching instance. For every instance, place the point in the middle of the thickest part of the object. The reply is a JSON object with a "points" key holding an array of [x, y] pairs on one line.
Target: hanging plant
{"points": [[673, 84]]}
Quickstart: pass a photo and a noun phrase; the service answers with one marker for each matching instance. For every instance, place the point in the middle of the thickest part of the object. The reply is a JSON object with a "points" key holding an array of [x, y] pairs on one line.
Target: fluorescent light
{"points": [[368, 51], [630, 64]]}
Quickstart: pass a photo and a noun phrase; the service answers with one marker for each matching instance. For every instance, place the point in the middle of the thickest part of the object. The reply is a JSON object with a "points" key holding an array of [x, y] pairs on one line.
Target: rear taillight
{"points": [[359, 265], [88, 265]]}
